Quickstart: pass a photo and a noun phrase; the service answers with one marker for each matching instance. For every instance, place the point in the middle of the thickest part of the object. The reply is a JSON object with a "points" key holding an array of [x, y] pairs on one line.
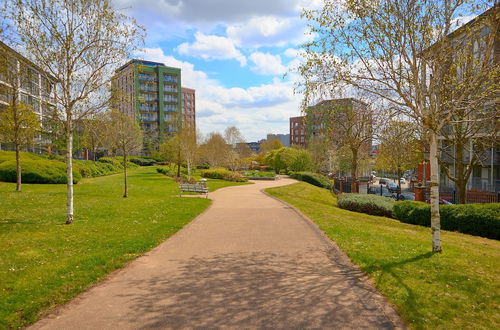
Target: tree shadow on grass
{"points": [[261, 290]]}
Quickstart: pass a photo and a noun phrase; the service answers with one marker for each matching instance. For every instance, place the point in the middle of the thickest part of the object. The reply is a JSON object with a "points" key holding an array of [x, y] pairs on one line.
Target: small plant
{"points": [[312, 178]]}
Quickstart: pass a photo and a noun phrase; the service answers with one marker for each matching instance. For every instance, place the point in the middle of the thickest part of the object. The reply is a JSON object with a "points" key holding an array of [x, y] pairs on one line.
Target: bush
{"points": [[258, 174], [369, 204], [37, 171], [165, 171], [223, 174], [203, 167], [142, 161], [474, 219], [312, 178]]}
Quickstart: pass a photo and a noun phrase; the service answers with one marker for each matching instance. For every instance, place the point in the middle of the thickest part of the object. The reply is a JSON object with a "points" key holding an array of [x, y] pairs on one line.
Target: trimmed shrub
{"points": [[369, 204], [165, 171], [142, 161], [474, 219], [312, 178], [37, 171], [223, 174], [203, 167]]}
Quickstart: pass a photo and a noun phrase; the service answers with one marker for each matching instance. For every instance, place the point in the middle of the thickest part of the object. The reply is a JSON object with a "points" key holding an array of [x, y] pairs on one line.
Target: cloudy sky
{"points": [[233, 52]]}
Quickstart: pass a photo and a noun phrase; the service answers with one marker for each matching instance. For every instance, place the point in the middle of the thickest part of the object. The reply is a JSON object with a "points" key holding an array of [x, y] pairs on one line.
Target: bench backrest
{"points": [[192, 186]]}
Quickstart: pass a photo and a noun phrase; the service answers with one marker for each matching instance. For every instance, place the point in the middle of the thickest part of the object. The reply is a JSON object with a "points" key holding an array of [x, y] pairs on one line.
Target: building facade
{"points": [[33, 86], [298, 134], [189, 107], [150, 92]]}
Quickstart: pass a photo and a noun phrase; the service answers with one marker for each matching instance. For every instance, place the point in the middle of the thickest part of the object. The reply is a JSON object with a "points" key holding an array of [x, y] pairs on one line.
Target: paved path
{"points": [[248, 262]]}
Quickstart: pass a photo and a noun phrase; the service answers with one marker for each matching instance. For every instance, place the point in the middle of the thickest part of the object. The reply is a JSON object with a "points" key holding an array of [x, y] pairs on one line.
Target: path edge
{"points": [[387, 307]]}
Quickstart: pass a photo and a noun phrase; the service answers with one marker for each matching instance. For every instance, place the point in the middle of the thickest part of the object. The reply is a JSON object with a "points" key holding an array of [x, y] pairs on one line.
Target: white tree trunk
{"points": [[69, 174], [435, 217]]}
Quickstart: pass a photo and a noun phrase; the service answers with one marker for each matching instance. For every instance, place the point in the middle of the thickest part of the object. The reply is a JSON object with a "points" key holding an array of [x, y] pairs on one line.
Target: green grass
{"points": [[456, 289], [44, 262]]}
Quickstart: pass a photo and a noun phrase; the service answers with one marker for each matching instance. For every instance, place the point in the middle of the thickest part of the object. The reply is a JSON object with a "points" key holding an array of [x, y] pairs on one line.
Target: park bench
{"points": [[193, 187]]}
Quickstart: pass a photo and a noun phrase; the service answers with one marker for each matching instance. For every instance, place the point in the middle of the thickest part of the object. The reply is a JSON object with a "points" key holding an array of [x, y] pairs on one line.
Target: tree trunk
{"points": [[398, 193], [354, 169], [435, 217], [189, 168], [125, 194], [460, 174], [69, 175], [18, 168]]}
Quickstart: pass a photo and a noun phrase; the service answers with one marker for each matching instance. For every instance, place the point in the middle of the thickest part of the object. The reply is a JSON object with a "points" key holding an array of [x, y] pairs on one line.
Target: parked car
{"points": [[392, 187], [383, 180], [402, 181]]}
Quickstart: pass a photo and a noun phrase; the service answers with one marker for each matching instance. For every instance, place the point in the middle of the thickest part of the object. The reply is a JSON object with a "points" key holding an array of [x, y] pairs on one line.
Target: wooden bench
{"points": [[193, 187]]}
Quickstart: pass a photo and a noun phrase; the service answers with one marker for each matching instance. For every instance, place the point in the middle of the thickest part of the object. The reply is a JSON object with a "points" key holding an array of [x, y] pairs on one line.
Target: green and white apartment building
{"points": [[152, 93]]}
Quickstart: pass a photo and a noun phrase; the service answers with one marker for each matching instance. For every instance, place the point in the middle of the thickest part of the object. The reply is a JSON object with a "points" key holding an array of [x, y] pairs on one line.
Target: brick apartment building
{"points": [[189, 107], [298, 134], [36, 88]]}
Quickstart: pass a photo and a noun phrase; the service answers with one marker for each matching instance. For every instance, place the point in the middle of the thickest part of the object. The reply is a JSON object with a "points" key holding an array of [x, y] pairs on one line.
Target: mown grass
{"points": [[457, 289], [44, 262]]}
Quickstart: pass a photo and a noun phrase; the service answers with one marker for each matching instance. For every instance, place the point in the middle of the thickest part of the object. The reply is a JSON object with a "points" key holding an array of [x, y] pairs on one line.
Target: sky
{"points": [[235, 53]]}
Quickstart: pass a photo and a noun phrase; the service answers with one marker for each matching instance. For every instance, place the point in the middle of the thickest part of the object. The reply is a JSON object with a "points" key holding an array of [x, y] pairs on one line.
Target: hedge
{"points": [[474, 219], [312, 178], [370, 204], [142, 161], [223, 174], [37, 171]]}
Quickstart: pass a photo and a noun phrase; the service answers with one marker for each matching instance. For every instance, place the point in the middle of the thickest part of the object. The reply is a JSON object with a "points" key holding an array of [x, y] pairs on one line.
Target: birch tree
{"points": [[399, 51], [80, 43]]}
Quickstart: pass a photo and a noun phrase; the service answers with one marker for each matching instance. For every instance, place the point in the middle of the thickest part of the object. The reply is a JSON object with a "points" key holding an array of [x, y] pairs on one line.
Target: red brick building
{"points": [[298, 131], [189, 107]]}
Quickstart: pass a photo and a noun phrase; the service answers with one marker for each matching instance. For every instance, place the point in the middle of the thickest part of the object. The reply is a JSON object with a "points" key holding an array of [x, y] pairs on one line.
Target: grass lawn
{"points": [[44, 262], [457, 289]]}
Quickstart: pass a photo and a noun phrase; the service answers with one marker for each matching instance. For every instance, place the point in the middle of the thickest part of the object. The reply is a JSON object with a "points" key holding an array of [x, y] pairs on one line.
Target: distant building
{"points": [[189, 107], [150, 92], [298, 134], [255, 146], [283, 138], [37, 88]]}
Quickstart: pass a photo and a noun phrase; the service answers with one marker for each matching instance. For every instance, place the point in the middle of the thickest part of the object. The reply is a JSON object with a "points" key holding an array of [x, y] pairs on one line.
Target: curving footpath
{"points": [[249, 261]]}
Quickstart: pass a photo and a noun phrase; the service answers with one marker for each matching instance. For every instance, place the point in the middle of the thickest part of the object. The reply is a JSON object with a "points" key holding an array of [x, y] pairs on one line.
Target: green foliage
{"points": [[171, 170], [474, 219], [142, 161], [258, 174], [366, 203], [37, 171], [223, 174], [312, 178], [290, 159]]}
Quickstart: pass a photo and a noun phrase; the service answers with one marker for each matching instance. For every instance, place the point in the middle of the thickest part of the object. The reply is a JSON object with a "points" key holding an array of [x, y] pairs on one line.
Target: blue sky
{"points": [[233, 52]]}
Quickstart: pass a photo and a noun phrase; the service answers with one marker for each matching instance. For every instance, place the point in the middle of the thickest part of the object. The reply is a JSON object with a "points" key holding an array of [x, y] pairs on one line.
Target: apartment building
{"points": [[298, 134], [189, 107], [283, 138], [151, 92], [33, 86]]}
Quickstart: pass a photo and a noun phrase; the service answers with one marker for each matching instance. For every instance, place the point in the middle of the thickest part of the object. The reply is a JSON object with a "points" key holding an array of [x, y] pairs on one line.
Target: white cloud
{"points": [[211, 47], [267, 64], [256, 110], [268, 31]]}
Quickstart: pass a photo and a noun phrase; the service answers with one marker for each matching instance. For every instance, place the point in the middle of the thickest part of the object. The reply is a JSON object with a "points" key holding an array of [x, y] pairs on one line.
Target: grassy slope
{"points": [[456, 289], [44, 262]]}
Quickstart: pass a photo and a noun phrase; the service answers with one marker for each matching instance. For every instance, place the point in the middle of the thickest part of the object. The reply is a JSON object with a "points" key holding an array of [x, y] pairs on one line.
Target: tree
{"points": [[215, 150], [235, 141], [399, 148], [18, 123], [346, 124], [269, 145], [402, 52], [189, 147], [94, 133], [80, 43], [170, 151], [124, 135]]}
